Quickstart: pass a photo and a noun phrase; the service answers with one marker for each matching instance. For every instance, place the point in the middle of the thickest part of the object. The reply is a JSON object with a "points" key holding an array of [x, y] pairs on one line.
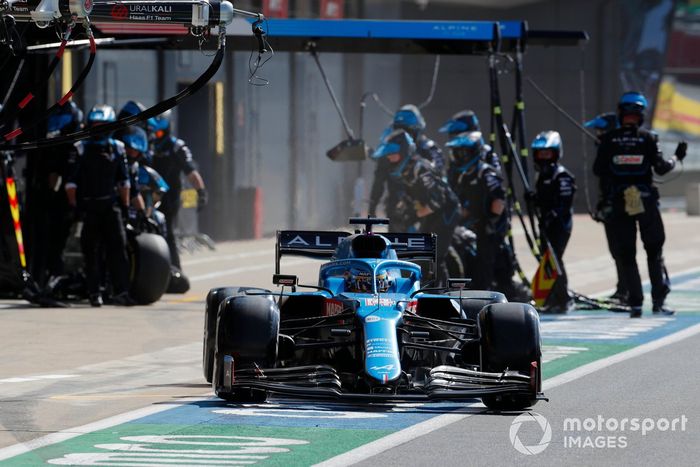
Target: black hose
{"points": [[63, 100], [24, 102], [140, 117]]}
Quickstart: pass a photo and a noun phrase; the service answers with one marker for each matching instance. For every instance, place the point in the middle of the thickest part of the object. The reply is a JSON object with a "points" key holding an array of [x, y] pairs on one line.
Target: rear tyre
{"points": [[247, 329], [214, 298], [510, 339], [474, 300]]}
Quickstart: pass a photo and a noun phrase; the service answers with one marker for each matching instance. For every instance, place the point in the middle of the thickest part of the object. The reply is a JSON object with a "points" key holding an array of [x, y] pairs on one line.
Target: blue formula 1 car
{"points": [[369, 330]]}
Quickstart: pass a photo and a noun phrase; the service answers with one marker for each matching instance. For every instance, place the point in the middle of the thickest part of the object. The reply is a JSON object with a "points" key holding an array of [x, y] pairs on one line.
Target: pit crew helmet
{"points": [[547, 148], [410, 119], [461, 122], [632, 103], [159, 127], [135, 138], [130, 109], [396, 142], [101, 114], [64, 120], [466, 150]]}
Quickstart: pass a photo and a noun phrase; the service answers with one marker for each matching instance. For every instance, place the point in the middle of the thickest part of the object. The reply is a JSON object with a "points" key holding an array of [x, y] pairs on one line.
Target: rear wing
{"points": [[322, 245], [311, 244], [414, 246]]}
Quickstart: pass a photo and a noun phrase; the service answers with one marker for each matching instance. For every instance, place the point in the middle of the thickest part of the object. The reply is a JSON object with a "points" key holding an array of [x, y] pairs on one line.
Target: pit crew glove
{"points": [[681, 150], [603, 211]]}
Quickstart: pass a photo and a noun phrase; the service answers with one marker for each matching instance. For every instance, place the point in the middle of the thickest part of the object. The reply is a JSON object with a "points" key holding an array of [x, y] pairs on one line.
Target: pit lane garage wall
{"points": [[274, 137]]}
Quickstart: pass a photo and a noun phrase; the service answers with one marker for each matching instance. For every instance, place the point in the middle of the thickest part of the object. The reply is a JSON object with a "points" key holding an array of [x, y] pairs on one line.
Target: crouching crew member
{"points": [[626, 161], [435, 205], [554, 198], [466, 121], [98, 185], [410, 119]]}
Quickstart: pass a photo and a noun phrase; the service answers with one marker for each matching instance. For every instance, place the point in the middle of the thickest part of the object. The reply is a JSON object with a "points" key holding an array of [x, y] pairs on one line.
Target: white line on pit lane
{"points": [[229, 257], [232, 271], [30, 379]]}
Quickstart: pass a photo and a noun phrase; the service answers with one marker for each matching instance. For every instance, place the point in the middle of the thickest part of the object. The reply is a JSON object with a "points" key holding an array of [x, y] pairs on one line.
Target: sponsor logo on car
{"points": [[382, 368], [379, 301], [314, 240], [332, 308], [372, 319]]}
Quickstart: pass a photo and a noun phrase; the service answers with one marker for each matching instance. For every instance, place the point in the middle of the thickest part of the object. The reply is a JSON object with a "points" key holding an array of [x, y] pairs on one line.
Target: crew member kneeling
{"points": [[431, 200]]}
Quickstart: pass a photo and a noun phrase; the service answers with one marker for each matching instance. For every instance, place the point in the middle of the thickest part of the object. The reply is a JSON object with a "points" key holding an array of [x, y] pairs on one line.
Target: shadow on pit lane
{"points": [[181, 385], [14, 305], [311, 405]]}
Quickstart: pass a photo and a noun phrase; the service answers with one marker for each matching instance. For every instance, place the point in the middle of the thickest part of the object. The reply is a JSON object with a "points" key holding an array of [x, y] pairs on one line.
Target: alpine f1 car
{"points": [[369, 330]]}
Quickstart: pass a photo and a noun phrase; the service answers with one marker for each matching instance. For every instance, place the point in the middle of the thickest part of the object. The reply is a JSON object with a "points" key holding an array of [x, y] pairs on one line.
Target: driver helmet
{"points": [[384, 282], [360, 281]]}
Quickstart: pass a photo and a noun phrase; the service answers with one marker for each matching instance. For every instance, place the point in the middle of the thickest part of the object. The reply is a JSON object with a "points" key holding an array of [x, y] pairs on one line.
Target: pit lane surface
{"points": [[66, 368]]}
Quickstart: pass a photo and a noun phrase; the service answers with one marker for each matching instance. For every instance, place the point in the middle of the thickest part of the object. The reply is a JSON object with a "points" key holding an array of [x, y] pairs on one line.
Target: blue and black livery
{"points": [[396, 340]]}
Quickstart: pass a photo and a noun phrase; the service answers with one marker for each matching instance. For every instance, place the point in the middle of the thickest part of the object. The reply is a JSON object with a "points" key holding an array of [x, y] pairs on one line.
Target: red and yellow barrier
{"points": [[14, 210]]}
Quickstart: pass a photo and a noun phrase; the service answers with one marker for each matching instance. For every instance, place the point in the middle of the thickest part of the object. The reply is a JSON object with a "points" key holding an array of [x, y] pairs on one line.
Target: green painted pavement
{"points": [[318, 445], [590, 352]]}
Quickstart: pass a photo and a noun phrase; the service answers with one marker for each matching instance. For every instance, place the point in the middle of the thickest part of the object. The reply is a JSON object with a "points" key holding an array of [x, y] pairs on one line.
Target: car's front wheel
{"points": [[510, 340]]}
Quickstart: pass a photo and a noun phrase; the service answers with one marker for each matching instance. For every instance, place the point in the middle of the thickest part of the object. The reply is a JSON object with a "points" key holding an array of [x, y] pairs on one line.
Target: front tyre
{"points": [[214, 298], [247, 329], [510, 340]]}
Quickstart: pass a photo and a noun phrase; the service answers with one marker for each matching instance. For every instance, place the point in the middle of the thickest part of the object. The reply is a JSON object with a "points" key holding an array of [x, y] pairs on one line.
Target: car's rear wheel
{"points": [[472, 301]]}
